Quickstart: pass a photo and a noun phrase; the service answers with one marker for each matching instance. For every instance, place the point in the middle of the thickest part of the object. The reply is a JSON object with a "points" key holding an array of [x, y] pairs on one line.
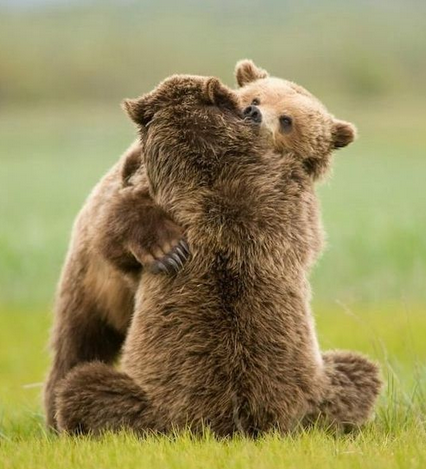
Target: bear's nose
{"points": [[253, 113]]}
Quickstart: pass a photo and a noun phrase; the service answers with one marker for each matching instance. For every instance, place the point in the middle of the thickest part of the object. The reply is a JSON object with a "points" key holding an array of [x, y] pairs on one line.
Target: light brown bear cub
{"points": [[229, 341]]}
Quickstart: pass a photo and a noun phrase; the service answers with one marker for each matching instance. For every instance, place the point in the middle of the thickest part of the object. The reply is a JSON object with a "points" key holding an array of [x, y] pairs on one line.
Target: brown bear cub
{"points": [[229, 341], [121, 231]]}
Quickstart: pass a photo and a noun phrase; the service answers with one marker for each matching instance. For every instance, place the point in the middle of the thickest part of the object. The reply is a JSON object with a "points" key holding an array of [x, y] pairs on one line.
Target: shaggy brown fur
{"points": [[118, 230], [229, 341]]}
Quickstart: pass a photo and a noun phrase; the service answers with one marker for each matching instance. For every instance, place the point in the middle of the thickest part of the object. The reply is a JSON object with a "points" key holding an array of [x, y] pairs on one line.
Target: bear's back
{"points": [[223, 334]]}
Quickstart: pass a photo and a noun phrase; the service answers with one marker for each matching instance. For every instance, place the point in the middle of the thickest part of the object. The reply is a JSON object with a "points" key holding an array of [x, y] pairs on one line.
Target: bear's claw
{"points": [[173, 261]]}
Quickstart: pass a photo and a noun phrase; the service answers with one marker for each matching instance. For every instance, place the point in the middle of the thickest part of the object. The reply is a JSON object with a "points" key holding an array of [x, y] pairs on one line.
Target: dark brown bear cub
{"points": [[229, 341]]}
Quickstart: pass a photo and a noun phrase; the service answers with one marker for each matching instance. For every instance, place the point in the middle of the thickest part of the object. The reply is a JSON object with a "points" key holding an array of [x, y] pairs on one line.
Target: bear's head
{"points": [[295, 121], [192, 130]]}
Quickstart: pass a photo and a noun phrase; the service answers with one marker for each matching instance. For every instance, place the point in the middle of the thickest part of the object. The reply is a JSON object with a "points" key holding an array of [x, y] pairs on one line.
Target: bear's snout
{"points": [[253, 113]]}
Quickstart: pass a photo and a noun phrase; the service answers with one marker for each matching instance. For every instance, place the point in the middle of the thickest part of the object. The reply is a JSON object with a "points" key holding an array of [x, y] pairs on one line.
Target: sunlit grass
{"points": [[395, 439]]}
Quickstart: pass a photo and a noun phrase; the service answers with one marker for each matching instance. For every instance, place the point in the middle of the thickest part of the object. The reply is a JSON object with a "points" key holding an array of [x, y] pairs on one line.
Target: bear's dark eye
{"points": [[255, 102], [286, 123]]}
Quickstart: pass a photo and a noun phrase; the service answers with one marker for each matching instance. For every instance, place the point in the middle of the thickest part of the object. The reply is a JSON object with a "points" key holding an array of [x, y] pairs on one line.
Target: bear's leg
{"points": [[80, 335], [352, 385], [95, 397]]}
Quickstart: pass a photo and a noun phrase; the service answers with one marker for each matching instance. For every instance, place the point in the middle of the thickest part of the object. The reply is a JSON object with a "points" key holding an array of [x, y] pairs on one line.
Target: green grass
{"points": [[395, 439], [105, 50], [369, 289]]}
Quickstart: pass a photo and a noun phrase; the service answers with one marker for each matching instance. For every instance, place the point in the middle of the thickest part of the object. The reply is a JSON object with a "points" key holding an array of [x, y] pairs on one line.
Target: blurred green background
{"points": [[66, 65], [64, 68]]}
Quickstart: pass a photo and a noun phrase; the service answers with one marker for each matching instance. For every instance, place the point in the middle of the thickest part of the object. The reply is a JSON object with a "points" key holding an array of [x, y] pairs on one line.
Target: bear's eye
{"points": [[286, 123], [255, 102]]}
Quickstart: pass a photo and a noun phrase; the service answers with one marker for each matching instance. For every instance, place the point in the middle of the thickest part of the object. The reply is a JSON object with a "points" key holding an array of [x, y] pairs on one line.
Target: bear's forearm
{"points": [[133, 228], [127, 220]]}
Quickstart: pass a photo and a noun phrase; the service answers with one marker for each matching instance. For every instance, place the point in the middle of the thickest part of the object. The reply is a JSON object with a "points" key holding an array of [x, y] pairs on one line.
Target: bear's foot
{"points": [[352, 385], [95, 397]]}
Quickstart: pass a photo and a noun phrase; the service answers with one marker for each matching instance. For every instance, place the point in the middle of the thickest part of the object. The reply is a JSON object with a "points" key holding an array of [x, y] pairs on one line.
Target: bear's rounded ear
{"points": [[218, 94], [132, 163], [138, 110], [343, 133], [246, 72]]}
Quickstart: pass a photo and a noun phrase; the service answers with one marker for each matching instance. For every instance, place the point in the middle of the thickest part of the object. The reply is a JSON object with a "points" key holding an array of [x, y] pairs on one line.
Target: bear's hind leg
{"points": [[352, 385], [80, 335], [95, 397]]}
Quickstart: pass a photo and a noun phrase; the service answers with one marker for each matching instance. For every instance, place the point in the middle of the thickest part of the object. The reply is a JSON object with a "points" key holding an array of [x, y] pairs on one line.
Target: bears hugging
{"points": [[235, 173]]}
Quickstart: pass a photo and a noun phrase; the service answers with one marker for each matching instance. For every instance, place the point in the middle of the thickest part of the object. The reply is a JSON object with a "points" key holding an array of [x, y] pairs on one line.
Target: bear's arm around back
{"points": [[135, 231]]}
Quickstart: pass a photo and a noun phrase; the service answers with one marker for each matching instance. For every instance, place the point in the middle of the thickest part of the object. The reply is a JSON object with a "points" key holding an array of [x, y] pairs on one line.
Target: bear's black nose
{"points": [[253, 113]]}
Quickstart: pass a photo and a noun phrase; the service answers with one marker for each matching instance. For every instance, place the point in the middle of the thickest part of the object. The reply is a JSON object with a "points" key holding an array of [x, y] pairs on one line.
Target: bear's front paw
{"points": [[165, 251], [171, 259]]}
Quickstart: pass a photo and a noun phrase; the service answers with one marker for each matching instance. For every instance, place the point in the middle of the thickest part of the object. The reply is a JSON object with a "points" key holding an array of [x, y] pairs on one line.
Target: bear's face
{"points": [[190, 127], [293, 119]]}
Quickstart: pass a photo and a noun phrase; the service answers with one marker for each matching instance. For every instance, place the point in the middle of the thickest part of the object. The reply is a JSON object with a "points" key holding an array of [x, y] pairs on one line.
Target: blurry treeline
{"points": [[103, 51]]}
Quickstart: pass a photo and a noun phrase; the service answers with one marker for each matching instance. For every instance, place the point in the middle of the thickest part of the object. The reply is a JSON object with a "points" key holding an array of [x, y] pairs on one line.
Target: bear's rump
{"points": [[229, 369]]}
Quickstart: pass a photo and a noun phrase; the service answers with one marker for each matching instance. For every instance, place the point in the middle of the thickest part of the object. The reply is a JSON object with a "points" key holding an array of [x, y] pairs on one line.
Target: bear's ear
{"points": [[218, 94], [132, 162], [246, 72], [139, 110], [343, 133]]}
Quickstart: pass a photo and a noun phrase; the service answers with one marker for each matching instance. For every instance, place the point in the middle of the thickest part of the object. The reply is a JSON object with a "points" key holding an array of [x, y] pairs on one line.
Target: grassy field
{"points": [[65, 66], [369, 289], [395, 439]]}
